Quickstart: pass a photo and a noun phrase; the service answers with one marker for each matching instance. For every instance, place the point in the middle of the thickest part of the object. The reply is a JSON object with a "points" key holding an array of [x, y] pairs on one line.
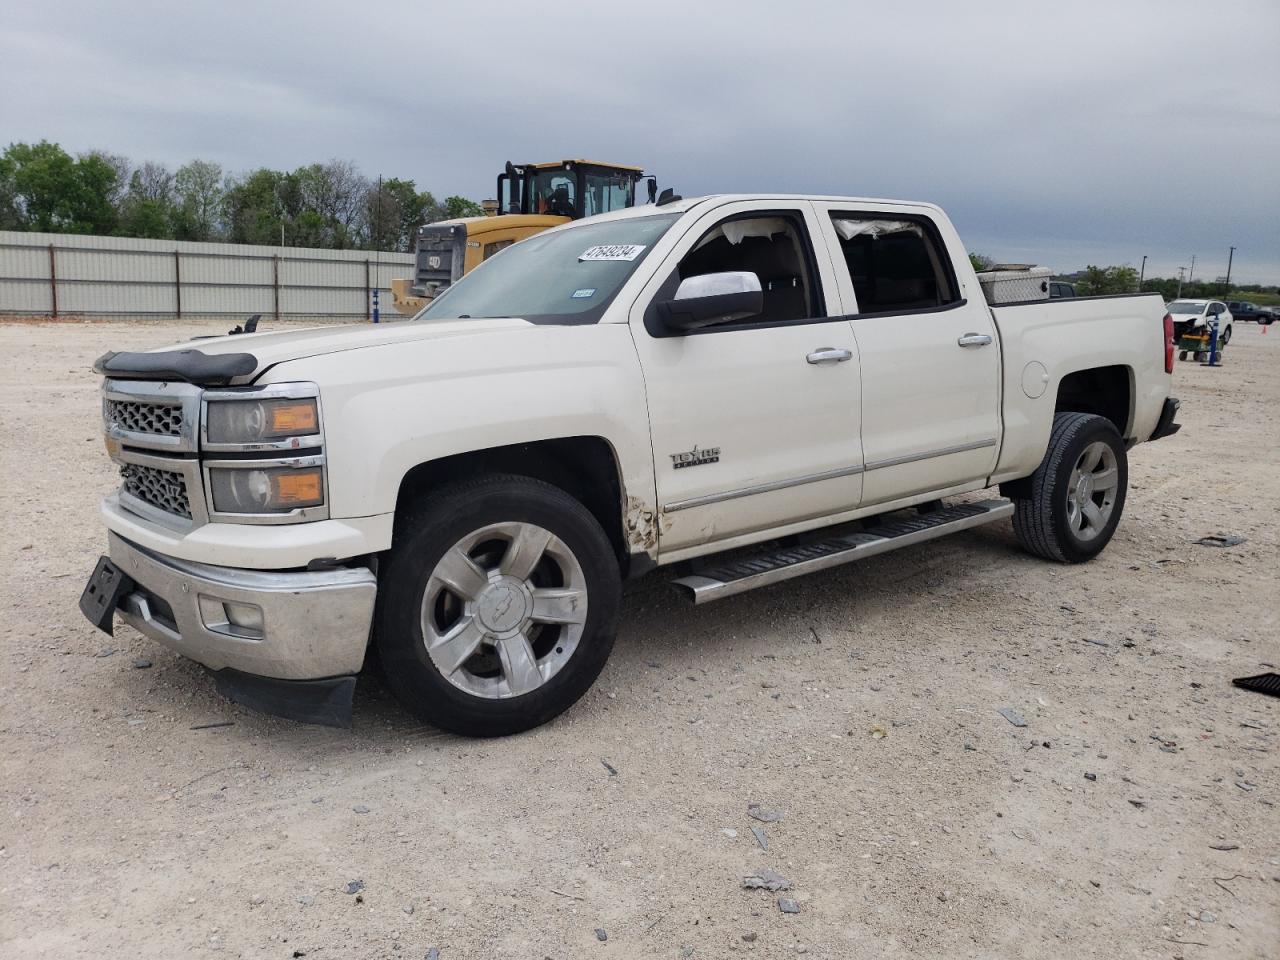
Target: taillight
{"points": [[1168, 343]]}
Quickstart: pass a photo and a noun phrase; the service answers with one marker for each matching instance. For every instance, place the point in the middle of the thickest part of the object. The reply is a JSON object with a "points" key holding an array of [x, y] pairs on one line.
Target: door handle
{"points": [[829, 355], [974, 340]]}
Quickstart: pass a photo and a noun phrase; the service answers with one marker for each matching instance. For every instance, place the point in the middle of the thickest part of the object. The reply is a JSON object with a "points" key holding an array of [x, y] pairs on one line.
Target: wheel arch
{"points": [[585, 467], [1105, 391]]}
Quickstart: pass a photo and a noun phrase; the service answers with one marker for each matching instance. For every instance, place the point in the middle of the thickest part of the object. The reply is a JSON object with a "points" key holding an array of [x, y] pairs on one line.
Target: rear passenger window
{"points": [[895, 265]]}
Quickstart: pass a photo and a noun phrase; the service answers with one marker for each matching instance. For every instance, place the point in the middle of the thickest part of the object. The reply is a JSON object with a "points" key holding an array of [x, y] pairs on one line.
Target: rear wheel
{"points": [[1077, 492], [1182, 355], [498, 606]]}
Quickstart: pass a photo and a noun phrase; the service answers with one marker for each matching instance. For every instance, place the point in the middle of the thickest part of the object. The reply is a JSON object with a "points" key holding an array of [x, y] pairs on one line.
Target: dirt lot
{"points": [[1134, 816]]}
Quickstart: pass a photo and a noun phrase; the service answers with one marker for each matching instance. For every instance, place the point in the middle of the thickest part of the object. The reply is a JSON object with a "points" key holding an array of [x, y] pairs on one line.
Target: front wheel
{"points": [[1077, 492], [498, 606]]}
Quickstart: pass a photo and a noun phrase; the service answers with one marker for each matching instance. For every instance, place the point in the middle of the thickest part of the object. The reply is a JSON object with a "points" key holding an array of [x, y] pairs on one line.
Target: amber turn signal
{"points": [[297, 488], [293, 418]]}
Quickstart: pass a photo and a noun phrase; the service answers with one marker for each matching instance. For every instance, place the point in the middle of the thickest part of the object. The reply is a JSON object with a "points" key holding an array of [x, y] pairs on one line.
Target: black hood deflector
{"points": [[190, 366]]}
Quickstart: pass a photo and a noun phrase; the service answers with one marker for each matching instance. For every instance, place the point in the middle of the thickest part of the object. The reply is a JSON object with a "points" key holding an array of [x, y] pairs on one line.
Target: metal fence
{"points": [[60, 275]]}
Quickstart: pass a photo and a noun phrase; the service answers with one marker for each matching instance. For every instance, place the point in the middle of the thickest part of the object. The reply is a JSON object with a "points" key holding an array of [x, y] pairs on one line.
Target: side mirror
{"points": [[711, 299]]}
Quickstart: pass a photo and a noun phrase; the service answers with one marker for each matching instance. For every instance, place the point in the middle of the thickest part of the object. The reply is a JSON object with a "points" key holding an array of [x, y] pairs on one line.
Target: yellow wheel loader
{"points": [[532, 197]]}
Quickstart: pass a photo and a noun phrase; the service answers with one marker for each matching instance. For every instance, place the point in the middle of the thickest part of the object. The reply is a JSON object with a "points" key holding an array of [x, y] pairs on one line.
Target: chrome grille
{"points": [[164, 489], [161, 419]]}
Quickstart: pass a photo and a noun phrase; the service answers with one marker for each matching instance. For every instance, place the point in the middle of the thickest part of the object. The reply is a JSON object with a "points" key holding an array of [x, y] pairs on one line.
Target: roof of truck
{"points": [[717, 199]]}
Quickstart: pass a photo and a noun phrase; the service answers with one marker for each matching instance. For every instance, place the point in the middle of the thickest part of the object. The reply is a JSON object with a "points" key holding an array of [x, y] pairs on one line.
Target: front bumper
{"points": [[287, 626], [1166, 427]]}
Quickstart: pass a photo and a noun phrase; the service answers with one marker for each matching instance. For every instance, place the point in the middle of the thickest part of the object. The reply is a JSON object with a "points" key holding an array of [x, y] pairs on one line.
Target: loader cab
{"points": [[570, 188]]}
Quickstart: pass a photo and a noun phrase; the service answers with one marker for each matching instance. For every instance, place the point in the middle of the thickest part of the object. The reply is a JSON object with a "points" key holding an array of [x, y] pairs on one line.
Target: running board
{"points": [[747, 573]]}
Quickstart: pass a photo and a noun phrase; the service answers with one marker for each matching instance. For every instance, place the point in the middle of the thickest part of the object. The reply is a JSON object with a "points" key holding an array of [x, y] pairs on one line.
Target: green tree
{"points": [[254, 207], [455, 207], [42, 182], [199, 195], [148, 208], [393, 214], [1102, 280], [96, 189], [981, 262]]}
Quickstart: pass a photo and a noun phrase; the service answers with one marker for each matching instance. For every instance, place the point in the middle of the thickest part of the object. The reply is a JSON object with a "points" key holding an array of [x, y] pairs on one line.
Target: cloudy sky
{"points": [[1064, 133]]}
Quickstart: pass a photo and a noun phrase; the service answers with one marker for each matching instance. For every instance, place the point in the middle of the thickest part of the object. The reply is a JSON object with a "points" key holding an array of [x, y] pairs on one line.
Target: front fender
{"points": [[388, 409]]}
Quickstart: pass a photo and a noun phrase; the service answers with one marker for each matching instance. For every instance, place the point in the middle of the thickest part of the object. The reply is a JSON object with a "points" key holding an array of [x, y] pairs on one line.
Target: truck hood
{"points": [[270, 348]]}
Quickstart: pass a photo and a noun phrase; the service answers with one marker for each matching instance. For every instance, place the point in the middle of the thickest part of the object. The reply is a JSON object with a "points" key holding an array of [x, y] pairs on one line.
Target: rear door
{"points": [[755, 423], [930, 360]]}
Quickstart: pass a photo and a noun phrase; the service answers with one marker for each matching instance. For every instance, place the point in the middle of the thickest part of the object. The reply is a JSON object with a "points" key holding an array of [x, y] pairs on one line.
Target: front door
{"points": [[930, 358], [755, 423]]}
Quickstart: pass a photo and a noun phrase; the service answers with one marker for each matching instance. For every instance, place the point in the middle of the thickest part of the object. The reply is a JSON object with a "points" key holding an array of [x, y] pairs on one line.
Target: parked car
{"points": [[1244, 310], [1060, 288], [807, 377], [1191, 327]]}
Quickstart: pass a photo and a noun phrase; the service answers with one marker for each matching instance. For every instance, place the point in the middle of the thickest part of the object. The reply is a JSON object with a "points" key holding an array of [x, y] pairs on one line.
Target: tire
{"points": [[455, 579], [1182, 355], [1226, 337], [1051, 523]]}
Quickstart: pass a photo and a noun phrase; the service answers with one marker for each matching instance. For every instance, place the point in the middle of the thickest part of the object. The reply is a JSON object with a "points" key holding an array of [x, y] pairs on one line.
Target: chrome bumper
{"points": [[289, 626]]}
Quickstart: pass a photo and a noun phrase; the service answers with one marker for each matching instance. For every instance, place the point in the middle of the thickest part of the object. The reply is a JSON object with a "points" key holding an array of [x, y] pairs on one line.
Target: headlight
{"points": [[251, 489], [255, 421]]}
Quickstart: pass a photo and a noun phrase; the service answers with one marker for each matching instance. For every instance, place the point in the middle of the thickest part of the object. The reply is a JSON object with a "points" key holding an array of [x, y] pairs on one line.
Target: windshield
{"points": [[562, 276], [1188, 306]]}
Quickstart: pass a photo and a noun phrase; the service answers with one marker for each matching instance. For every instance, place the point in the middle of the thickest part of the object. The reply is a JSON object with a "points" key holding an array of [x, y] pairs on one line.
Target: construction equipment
{"points": [[531, 197]]}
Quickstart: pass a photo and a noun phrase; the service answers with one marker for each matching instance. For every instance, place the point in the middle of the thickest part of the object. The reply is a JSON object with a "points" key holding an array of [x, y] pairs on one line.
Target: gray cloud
{"points": [[1084, 132]]}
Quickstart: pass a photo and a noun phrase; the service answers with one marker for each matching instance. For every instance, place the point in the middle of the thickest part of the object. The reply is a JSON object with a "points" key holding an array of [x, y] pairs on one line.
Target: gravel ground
{"points": [[1134, 816]]}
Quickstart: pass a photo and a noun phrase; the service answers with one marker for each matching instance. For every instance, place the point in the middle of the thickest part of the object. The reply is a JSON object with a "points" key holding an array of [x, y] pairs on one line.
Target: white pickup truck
{"points": [[798, 380]]}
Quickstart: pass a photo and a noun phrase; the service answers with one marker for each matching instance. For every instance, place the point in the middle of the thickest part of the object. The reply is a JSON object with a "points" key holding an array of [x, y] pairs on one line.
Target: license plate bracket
{"points": [[107, 584]]}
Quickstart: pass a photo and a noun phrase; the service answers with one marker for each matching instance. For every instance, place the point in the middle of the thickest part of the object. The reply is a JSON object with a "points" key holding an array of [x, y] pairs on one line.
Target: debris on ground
{"points": [[1268, 683], [432, 954], [1224, 846], [878, 732], [1012, 715], [212, 726], [766, 879], [360, 808], [756, 812], [601, 935], [141, 663], [761, 839], [787, 905], [354, 886], [1221, 540], [608, 766]]}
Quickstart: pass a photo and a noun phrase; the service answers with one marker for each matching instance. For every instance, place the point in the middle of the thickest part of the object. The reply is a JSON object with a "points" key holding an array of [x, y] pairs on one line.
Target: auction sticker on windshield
{"points": [[613, 251]]}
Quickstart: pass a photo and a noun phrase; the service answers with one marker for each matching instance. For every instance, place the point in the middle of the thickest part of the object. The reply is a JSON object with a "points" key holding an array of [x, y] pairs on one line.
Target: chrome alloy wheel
{"points": [[504, 610], [1091, 494]]}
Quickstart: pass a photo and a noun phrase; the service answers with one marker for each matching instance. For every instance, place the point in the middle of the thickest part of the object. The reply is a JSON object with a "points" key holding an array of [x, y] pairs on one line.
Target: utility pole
{"points": [[1142, 273], [1181, 271], [1192, 275], [1230, 257]]}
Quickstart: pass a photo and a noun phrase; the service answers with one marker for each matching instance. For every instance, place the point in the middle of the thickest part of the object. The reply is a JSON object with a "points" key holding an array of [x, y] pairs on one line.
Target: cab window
{"points": [[602, 192], [895, 264], [554, 192], [773, 246]]}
